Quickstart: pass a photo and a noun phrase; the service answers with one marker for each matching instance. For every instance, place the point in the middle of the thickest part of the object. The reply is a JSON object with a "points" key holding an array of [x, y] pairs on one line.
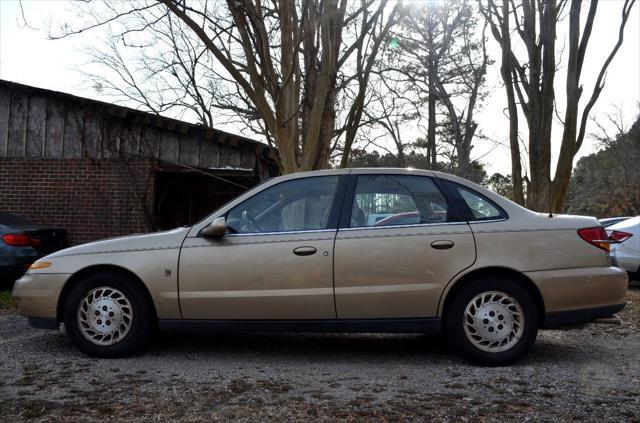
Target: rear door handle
{"points": [[304, 251], [442, 245]]}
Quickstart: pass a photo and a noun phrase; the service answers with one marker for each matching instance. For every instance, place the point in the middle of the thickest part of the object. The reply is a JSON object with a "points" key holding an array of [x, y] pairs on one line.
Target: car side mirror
{"points": [[216, 229]]}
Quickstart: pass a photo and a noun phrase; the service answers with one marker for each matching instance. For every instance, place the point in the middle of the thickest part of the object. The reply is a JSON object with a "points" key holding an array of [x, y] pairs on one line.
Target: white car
{"points": [[625, 247], [610, 221]]}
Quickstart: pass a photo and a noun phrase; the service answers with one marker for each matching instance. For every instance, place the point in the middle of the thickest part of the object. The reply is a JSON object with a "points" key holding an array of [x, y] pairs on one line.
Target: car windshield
{"points": [[8, 219]]}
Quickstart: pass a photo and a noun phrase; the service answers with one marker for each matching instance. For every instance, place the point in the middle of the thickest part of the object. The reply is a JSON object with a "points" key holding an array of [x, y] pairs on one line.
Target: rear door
{"points": [[397, 264]]}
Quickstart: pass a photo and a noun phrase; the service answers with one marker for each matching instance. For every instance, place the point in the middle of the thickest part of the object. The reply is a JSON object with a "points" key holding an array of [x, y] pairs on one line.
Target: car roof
{"points": [[8, 219], [611, 219], [380, 170], [357, 170], [633, 222], [505, 203]]}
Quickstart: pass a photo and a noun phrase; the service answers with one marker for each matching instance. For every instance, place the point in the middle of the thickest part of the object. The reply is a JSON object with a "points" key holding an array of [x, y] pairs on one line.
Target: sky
{"points": [[27, 56]]}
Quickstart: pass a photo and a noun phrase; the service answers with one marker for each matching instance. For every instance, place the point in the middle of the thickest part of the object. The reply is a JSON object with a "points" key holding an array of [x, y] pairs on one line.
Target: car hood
{"points": [[159, 240]]}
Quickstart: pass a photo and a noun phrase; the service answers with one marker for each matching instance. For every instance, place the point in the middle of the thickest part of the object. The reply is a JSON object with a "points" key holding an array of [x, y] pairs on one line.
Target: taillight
{"points": [[619, 236], [16, 240], [20, 240], [596, 236]]}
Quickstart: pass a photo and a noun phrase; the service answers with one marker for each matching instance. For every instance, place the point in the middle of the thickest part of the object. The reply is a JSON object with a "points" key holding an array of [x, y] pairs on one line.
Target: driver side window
{"points": [[297, 205]]}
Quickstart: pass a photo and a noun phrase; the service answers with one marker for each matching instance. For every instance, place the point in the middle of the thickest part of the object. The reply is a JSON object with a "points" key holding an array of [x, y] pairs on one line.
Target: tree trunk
{"points": [[507, 78], [464, 160], [541, 99], [431, 121], [535, 78], [326, 133], [572, 136]]}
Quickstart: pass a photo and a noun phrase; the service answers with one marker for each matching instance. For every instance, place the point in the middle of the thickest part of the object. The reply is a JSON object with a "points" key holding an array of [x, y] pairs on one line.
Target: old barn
{"points": [[101, 170]]}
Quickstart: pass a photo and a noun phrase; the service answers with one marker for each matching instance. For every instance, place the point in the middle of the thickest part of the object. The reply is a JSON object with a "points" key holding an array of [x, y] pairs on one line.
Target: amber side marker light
{"points": [[596, 236], [40, 265]]}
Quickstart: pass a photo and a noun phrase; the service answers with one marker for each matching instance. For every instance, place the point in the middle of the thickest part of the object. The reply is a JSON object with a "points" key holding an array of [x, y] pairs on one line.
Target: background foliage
{"points": [[607, 183]]}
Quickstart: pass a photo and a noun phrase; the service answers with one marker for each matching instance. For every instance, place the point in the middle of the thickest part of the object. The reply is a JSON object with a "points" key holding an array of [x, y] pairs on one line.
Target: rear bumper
{"points": [[14, 262], [572, 317], [581, 292], [8, 274]]}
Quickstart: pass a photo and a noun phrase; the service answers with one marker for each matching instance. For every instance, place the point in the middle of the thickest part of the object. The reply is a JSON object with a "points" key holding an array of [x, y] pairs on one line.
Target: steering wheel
{"points": [[477, 212], [250, 222]]}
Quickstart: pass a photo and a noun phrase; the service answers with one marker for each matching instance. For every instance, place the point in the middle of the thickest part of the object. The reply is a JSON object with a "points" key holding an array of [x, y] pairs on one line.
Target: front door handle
{"points": [[304, 251], [442, 245]]}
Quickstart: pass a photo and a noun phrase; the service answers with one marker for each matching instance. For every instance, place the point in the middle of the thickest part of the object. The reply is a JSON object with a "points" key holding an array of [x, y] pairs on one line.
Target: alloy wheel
{"points": [[104, 316], [493, 321]]}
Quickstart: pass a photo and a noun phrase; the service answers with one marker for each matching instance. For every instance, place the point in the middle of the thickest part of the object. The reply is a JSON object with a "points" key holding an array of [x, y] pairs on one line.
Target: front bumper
{"points": [[14, 262], [44, 323], [38, 293], [582, 294]]}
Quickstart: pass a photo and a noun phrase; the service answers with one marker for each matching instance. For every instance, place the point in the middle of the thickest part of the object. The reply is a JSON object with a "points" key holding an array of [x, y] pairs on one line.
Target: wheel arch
{"points": [[69, 284], [518, 277]]}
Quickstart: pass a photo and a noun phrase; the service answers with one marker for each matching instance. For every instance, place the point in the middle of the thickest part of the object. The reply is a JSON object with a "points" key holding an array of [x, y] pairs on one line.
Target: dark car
{"points": [[22, 242]]}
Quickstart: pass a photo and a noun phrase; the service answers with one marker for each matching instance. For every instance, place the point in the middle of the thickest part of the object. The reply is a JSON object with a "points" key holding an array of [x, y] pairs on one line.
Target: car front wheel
{"points": [[107, 315], [492, 321]]}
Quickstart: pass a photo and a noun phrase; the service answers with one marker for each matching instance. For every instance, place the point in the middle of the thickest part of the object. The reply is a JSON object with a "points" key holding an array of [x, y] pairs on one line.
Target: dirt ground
{"points": [[589, 374]]}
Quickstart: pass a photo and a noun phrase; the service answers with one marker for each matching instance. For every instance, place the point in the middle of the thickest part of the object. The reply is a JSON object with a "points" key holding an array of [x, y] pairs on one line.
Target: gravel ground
{"points": [[589, 374]]}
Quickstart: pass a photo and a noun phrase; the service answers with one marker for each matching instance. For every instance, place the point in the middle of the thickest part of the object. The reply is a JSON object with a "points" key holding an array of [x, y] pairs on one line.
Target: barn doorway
{"points": [[184, 196]]}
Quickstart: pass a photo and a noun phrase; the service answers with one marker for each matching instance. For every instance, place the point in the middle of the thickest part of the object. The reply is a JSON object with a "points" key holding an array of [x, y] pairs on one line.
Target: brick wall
{"points": [[92, 199]]}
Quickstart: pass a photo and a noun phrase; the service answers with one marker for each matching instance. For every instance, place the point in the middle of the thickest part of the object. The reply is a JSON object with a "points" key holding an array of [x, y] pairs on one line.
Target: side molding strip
{"points": [[431, 325]]}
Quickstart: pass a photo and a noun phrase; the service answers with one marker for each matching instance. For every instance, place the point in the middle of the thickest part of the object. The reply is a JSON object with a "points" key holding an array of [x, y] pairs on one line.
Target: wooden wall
{"points": [[38, 123]]}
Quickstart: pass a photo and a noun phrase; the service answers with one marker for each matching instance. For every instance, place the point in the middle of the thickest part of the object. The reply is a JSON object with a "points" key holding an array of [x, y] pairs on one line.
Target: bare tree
{"points": [[615, 119], [533, 79], [277, 61], [393, 108], [502, 33], [366, 56], [472, 76], [427, 37], [442, 55]]}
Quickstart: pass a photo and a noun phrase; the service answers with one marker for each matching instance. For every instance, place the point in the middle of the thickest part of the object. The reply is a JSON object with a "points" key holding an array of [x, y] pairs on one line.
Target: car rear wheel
{"points": [[107, 315], [492, 321]]}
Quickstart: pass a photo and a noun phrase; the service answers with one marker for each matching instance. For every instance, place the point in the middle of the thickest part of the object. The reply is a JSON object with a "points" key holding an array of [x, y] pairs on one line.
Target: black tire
{"points": [[460, 342], [140, 325]]}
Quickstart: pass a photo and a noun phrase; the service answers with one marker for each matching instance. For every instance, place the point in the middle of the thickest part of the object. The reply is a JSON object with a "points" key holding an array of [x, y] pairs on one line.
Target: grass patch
{"points": [[6, 301]]}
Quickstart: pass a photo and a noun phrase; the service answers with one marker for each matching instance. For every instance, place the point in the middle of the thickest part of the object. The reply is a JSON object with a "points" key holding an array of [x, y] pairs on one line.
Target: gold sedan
{"points": [[351, 250]]}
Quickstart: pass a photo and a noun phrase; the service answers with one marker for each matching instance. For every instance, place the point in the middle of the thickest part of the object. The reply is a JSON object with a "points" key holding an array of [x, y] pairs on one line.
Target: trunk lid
{"points": [[569, 221]]}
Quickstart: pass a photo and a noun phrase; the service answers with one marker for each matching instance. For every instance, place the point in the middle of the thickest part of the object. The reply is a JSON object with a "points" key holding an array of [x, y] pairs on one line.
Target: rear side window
{"points": [[478, 207], [391, 200]]}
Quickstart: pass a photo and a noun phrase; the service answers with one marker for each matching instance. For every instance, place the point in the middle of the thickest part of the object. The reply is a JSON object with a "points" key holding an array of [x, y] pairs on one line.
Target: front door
{"points": [[276, 262], [397, 248]]}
